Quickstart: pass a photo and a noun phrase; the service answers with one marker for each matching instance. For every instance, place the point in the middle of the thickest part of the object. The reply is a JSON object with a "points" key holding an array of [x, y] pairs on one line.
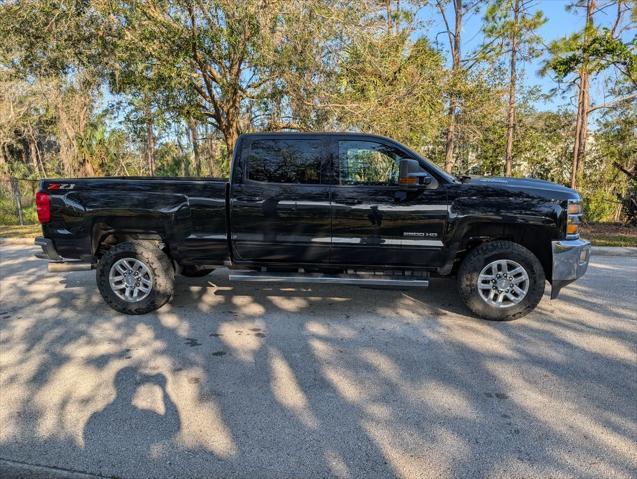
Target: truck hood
{"points": [[532, 186]]}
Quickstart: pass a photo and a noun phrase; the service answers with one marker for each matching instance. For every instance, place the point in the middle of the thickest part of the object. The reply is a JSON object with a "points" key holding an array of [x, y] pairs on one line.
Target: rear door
{"points": [[375, 222], [280, 200]]}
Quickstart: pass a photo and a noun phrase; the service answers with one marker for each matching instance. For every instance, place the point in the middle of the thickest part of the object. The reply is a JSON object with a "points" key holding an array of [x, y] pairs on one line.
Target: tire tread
{"points": [[163, 273], [473, 264]]}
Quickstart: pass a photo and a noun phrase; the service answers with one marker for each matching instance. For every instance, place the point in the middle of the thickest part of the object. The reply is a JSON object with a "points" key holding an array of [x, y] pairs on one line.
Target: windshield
{"points": [[441, 172]]}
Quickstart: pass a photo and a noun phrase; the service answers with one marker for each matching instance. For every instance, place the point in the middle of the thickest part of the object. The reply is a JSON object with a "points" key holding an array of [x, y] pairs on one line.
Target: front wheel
{"points": [[135, 278], [501, 281]]}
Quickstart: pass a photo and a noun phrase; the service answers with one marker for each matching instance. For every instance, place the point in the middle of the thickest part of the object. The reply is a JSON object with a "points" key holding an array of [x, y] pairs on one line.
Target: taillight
{"points": [[43, 206]]}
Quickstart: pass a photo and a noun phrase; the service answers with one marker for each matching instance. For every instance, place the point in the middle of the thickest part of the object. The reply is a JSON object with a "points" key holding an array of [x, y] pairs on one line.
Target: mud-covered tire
{"points": [[192, 272], [163, 277], [487, 253]]}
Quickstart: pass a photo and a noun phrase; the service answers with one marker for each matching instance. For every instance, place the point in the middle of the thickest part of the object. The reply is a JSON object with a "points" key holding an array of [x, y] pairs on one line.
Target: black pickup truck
{"points": [[316, 208]]}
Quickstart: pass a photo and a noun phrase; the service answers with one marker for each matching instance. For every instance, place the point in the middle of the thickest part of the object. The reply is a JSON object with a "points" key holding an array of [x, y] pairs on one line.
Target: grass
{"points": [[610, 234], [26, 231], [600, 234]]}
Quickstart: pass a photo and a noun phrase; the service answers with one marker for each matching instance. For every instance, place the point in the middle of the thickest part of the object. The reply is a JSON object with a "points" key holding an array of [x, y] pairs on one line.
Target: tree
{"points": [[455, 44], [227, 53], [510, 28], [56, 48], [386, 83], [612, 153], [585, 54]]}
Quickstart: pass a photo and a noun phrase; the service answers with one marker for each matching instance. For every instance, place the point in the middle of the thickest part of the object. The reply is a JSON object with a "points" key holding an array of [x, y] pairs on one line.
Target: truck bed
{"points": [[188, 213]]}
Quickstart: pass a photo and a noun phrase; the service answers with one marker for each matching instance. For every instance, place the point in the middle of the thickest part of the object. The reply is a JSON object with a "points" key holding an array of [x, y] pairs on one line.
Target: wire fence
{"points": [[17, 201]]}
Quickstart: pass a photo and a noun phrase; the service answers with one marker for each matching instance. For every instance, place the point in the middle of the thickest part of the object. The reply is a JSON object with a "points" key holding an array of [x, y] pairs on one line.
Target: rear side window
{"points": [[285, 161]]}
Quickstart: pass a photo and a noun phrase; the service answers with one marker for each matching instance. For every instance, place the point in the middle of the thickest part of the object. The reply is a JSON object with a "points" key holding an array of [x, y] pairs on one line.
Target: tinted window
{"points": [[285, 161], [368, 163]]}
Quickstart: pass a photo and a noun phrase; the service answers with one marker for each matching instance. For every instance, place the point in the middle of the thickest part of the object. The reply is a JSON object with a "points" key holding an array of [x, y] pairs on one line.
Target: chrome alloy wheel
{"points": [[503, 283], [130, 279]]}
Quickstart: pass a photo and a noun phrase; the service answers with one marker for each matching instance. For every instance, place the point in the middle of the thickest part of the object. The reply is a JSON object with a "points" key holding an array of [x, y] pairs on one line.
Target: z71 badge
{"points": [[61, 186]]}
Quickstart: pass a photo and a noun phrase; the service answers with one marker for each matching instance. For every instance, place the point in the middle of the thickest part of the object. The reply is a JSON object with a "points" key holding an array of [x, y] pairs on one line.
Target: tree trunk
{"points": [[17, 197], [40, 160], [508, 156], [453, 101], [210, 149], [32, 153], [192, 127], [578, 128], [4, 158], [584, 126], [449, 145], [583, 107], [230, 136], [230, 128], [36, 157], [150, 145]]}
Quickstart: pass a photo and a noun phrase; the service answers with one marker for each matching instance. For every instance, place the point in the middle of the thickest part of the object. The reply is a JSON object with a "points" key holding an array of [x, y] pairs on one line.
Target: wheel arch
{"points": [[105, 237], [536, 238]]}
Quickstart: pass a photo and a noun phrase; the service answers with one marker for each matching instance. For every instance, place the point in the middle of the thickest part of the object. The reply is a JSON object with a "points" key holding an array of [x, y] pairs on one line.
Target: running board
{"points": [[360, 280], [65, 267]]}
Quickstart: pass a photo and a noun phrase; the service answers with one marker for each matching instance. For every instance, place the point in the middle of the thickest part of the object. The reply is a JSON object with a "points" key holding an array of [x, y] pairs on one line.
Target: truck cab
{"points": [[335, 199]]}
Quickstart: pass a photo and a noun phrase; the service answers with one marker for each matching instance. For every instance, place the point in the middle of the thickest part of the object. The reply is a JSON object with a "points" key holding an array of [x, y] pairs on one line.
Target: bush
{"points": [[8, 211]]}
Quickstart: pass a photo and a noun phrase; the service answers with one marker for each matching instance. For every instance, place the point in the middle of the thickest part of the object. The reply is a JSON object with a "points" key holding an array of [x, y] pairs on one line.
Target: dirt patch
{"points": [[610, 234], [13, 231]]}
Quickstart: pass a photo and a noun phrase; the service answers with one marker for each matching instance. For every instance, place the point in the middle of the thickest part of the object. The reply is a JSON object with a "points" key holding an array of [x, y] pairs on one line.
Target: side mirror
{"points": [[411, 175]]}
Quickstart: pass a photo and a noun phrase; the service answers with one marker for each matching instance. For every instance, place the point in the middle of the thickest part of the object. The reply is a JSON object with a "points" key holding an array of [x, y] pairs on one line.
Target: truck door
{"points": [[280, 201], [374, 221]]}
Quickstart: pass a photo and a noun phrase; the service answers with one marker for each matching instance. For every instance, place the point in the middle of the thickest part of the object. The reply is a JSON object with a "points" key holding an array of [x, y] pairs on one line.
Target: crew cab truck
{"points": [[315, 208]]}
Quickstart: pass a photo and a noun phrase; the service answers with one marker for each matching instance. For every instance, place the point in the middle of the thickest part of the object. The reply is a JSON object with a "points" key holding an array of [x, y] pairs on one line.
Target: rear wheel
{"points": [[501, 281], [135, 278]]}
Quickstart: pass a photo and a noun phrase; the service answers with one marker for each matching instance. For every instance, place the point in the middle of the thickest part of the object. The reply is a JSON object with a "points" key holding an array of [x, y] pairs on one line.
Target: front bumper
{"points": [[570, 261]]}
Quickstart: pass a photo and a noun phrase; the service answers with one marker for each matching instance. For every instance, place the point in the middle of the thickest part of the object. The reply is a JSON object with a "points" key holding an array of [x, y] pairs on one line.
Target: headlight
{"points": [[574, 208], [574, 218]]}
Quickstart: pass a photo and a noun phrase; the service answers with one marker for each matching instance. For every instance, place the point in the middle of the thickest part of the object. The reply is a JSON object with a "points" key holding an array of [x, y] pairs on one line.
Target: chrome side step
{"points": [[360, 280]]}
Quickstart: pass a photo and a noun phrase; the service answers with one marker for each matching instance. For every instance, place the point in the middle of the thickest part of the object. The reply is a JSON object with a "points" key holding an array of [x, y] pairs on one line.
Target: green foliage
{"points": [[165, 86], [389, 86], [595, 47], [8, 207], [171, 162], [499, 29], [52, 37], [605, 187], [544, 144]]}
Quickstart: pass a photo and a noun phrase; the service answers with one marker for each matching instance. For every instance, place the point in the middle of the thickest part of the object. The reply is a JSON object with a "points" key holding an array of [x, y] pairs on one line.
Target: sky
{"points": [[559, 23]]}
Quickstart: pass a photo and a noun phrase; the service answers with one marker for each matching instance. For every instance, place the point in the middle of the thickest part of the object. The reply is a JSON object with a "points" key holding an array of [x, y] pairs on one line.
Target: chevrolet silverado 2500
{"points": [[316, 208]]}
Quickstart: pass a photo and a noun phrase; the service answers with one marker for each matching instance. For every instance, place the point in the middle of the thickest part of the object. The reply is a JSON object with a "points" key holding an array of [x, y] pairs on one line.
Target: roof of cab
{"points": [[312, 134]]}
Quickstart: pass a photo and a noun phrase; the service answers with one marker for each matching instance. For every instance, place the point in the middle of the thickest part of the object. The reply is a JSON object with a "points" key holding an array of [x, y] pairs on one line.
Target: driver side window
{"points": [[368, 163]]}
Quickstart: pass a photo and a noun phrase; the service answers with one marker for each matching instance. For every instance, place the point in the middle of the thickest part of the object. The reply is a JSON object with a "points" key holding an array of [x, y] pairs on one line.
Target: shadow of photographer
{"points": [[141, 414]]}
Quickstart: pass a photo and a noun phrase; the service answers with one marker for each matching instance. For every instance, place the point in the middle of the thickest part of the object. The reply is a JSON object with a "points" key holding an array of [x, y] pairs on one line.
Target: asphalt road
{"points": [[233, 380]]}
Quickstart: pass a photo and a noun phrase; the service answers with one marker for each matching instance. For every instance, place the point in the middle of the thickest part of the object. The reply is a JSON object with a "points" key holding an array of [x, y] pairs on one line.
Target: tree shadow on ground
{"points": [[234, 380]]}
